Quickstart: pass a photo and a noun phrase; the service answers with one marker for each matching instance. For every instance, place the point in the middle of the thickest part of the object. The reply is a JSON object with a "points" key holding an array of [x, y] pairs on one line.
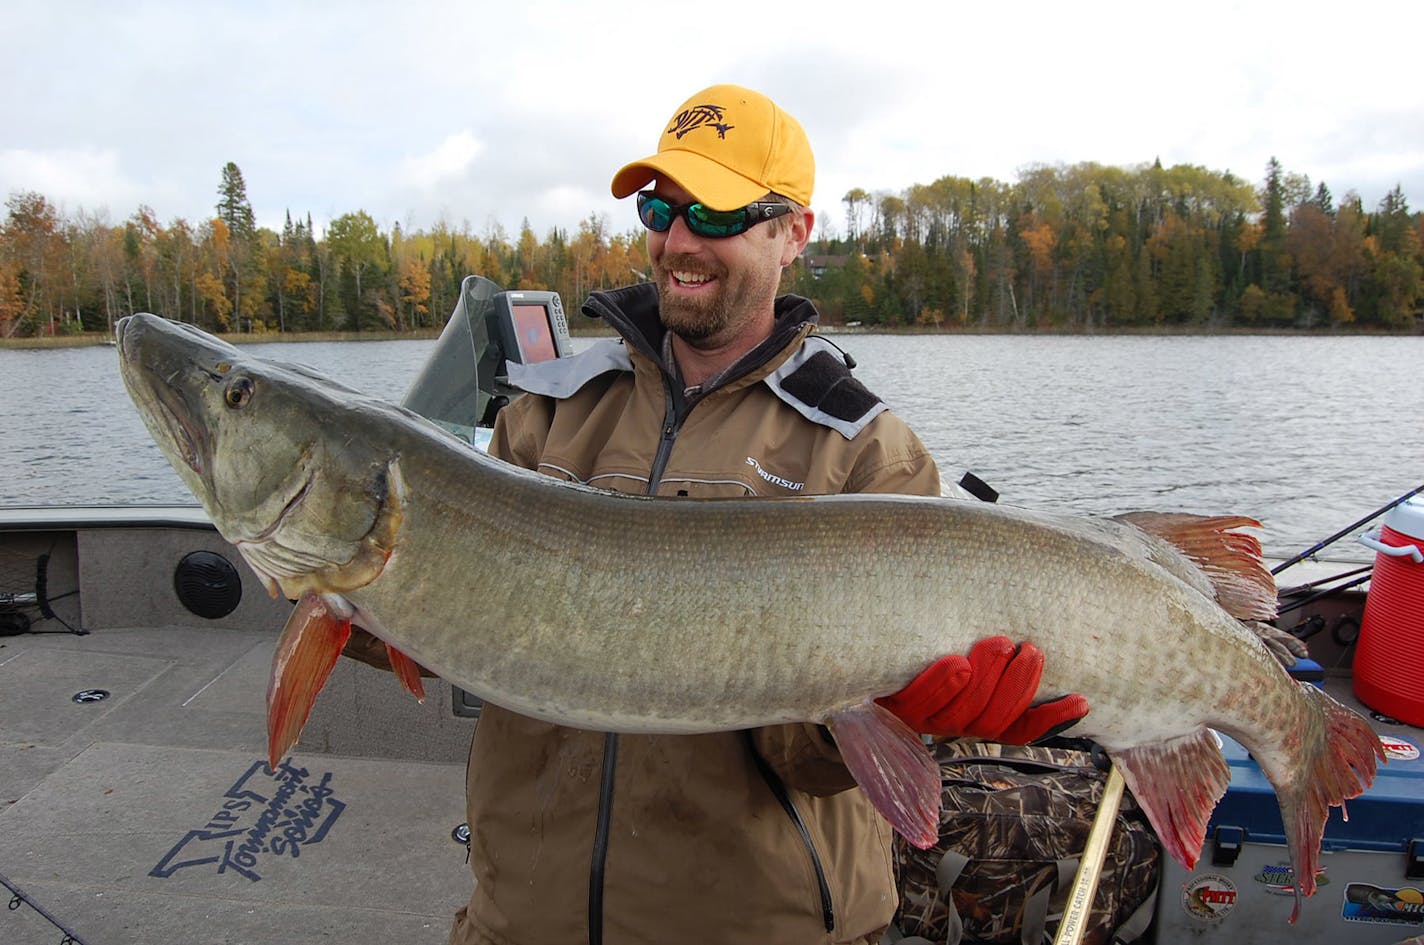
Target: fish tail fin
{"points": [[1177, 784], [407, 672], [1336, 761], [306, 653], [894, 768], [1230, 559]]}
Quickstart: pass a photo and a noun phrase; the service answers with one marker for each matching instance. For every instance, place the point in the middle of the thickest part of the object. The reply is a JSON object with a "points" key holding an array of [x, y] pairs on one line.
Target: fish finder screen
{"points": [[536, 340]]}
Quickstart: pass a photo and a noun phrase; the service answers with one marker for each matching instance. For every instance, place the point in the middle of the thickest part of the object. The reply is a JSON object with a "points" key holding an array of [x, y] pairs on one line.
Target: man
{"points": [[717, 388]]}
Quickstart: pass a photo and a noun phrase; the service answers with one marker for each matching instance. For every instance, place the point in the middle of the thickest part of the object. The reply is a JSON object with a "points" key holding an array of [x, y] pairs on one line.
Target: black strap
{"points": [[978, 488], [783, 797], [600, 839]]}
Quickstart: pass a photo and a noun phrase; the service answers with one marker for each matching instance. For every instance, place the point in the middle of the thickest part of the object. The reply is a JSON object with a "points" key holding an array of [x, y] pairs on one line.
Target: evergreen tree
{"points": [[1324, 201], [1393, 224], [1275, 266], [233, 207], [243, 260]]}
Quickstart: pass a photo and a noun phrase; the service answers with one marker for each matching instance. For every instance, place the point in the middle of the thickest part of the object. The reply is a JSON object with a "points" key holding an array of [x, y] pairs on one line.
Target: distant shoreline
{"points": [[95, 339]]}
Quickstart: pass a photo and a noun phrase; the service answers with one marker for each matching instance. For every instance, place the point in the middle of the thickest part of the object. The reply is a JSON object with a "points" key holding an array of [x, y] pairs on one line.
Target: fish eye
{"points": [[238, 393]]}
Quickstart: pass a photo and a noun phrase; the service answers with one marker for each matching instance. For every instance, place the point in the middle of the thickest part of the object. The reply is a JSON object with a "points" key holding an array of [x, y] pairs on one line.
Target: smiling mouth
{"points": [[691, 280]]}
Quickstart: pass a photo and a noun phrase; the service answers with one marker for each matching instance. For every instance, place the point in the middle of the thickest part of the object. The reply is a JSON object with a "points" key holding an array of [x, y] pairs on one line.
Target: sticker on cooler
{"points": [[1381, 905], [1209, 897], [1398, 749], [1279, 879]]}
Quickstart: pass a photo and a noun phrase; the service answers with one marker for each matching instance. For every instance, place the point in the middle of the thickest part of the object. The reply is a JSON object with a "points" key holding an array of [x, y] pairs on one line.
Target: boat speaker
{"points": [[207, 584], [13, 622]]}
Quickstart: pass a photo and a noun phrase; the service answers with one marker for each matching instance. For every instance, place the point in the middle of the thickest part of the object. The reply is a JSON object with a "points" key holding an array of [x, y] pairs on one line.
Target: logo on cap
{"points": [[700, 116]]}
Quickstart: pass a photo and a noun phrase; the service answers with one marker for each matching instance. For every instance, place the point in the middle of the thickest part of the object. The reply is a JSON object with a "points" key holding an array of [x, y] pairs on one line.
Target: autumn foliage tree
{"points": [[1084, 247]]}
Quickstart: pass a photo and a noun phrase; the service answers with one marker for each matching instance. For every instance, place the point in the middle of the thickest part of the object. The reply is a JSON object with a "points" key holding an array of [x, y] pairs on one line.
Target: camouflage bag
{"points": [[1014, 822]]}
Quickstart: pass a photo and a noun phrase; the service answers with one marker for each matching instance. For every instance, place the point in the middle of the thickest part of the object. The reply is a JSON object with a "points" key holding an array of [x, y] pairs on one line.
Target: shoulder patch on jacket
{"points": [[562, 377], [820, 387]]}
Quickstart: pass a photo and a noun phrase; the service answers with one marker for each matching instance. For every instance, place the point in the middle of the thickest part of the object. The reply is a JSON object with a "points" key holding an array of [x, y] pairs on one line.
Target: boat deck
{"points": [[150, 816]]}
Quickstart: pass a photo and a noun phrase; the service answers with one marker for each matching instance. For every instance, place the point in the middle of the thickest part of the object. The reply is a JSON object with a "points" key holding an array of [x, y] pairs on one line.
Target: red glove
{"points": [[987, 696]]}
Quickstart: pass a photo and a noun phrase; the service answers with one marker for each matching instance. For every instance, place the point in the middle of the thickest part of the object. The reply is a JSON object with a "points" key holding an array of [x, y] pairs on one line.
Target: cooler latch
{"points": [[1414, 866], [1226, 844]]}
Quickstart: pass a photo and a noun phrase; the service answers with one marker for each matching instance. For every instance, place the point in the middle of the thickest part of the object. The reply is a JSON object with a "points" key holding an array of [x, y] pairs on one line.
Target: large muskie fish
{"points": [[621, 613]]}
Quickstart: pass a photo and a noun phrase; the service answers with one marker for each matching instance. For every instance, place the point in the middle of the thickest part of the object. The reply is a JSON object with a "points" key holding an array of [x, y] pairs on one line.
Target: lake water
{"points": [[1306, 434]]}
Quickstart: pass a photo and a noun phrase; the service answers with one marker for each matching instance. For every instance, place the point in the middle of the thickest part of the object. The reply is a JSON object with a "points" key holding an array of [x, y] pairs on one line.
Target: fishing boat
{"points": [[136, 805]]}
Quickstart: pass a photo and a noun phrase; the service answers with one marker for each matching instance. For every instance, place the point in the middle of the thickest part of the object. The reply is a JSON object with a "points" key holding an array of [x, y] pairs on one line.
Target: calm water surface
{"points": [[1306, 434]]}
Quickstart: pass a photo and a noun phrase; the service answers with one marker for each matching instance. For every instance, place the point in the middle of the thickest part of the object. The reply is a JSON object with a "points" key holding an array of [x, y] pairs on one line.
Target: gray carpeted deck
{"points": [[150, 817]]}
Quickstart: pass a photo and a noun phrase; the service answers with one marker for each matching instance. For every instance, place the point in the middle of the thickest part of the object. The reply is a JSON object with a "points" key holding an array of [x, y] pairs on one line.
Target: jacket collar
{"points": [[632, 311]]}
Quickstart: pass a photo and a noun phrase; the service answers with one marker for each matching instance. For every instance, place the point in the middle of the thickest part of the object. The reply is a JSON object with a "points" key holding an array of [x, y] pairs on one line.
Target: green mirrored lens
{"points": [[656, 213], [715, 223]]}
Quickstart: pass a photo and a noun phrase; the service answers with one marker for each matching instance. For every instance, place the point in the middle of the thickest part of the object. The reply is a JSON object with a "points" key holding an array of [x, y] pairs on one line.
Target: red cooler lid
{"points": [[1407, 518]]}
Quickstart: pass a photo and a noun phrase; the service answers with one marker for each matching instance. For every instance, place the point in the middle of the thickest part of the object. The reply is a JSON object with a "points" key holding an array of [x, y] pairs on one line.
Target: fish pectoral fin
{"points": [[1177, 784], [306, 653], [894, 768], [407, 671]]}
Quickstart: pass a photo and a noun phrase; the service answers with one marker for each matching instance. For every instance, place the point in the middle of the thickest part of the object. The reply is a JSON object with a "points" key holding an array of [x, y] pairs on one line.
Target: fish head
{"points": [[270, 451]]}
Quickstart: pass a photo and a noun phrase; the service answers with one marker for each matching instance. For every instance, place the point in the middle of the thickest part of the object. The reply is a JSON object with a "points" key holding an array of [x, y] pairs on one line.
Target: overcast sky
{"points": [[478, 112]]}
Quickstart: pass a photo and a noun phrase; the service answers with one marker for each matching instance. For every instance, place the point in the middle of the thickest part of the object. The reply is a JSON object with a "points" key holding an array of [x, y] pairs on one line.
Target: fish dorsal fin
{"points": [[1230, 560], [893, 767]]}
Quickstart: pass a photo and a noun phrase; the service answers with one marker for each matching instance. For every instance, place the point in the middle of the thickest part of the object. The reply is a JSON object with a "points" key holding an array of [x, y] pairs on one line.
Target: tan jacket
{"points": [[729, 837]]}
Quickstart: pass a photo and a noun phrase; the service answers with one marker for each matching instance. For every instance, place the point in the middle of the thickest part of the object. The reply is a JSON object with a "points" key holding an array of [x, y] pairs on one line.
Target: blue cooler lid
{"points": [[1384, 818], [1407, 518]]}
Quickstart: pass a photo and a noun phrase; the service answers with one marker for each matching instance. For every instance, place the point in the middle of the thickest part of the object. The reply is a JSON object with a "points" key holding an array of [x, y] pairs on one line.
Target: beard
{"points": [[735, 299]]}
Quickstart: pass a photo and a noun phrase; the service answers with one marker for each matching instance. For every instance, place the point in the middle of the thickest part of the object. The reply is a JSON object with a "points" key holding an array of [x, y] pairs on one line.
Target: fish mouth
{"points": [[186, 436], [168, 415]]}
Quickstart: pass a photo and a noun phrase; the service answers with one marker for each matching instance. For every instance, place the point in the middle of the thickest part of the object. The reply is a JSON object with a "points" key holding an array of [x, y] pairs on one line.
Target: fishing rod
{"points": [[1347, 529], [1295, 589], [1296, 605], [19, 897]]}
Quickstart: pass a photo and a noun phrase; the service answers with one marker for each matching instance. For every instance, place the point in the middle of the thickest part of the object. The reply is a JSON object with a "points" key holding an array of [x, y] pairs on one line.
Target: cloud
{"points": [[450, 160], [87, 177], [424, 110]]}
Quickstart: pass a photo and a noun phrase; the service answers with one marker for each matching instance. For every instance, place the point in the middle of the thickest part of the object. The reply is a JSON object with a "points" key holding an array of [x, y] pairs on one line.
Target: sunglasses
{"points": [[657, 215]]}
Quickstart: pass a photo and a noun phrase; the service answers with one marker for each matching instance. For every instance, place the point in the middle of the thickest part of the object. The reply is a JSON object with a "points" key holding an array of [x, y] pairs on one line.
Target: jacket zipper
{"points": [[783, 797], [674, 412], [672, 423], [599, 860], [676, 408]]}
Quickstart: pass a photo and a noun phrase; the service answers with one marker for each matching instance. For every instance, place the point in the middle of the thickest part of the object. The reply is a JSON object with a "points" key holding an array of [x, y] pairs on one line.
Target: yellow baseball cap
{"points": [[728, 146]]}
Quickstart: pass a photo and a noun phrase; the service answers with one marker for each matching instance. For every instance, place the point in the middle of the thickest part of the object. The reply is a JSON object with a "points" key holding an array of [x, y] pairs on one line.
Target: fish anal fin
{"points": [[1177, 784], [306, 653], [1230, 559], [407, 671], [894, 768]]}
